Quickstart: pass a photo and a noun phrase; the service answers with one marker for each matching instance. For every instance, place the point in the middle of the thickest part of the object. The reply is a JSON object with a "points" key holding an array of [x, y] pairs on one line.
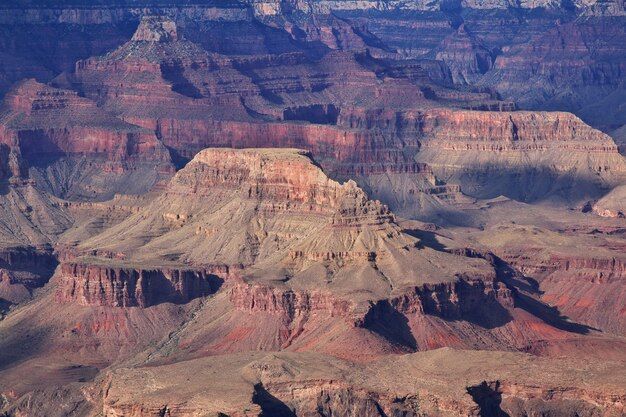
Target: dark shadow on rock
{"points": [[389, 323], [488, 399], [174, 73], [525, 290], [270, 405], [550, 315], [315, 113], [178, 160], [471, 307], [427, 239], [489, 315], [33, 267], [158, 289], [530, 185], [20, 343]]}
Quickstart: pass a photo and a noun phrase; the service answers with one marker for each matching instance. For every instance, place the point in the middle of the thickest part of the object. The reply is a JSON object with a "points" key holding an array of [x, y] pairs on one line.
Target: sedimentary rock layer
{"points": [[125, 287]]}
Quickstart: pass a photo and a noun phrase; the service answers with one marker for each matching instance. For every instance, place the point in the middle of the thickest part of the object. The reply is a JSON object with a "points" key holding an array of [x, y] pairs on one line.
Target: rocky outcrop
{"points": [[613, 204], [156, 29], [98, 285], [283, 179], [43, 121], [451, 301], [467, 59]]}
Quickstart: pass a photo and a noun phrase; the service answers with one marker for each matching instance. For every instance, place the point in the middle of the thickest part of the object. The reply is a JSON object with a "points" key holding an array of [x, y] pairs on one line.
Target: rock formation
{"points": [[298, 207], [518, 153], [308, 257]]}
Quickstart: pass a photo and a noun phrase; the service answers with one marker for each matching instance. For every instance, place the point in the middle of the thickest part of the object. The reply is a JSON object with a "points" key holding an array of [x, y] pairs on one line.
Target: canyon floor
{"points": [[312, 208]]}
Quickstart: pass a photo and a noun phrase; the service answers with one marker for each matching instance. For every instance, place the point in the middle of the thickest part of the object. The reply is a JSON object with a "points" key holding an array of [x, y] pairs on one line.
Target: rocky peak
{"points": [[156, 29]]}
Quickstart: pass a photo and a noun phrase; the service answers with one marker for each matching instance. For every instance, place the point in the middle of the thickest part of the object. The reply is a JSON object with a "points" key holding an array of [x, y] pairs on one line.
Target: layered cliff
{"points": [[258, 195], [125, 287], [63, 139], [315, 264], [522, 155]]}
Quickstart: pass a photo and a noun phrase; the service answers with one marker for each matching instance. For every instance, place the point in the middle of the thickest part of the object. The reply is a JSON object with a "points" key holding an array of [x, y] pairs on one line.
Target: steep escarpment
{"points": [[303, 247], [119, 287], [63, 139], [522, 155], [362, 117]]}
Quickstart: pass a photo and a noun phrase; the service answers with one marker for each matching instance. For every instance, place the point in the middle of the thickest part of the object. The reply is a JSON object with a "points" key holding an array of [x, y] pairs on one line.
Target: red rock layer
{"points": [[501, 131], [130, 287], [280, 178], [480, 304], [587, 289], [42, 122]]}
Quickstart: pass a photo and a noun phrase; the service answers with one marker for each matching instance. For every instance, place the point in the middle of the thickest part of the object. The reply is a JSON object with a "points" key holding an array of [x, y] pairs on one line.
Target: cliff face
{"points": [[125, 287], [362, 117], [41, 121], [345, 270], [489, 153]]}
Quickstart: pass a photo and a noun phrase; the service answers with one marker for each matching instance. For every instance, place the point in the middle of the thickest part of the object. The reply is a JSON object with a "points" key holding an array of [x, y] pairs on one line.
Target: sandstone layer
{"points": [[63, 139]]}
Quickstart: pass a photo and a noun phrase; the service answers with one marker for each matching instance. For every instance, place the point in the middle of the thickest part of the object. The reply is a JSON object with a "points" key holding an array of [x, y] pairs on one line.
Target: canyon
{"points": [[312, 208]]}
